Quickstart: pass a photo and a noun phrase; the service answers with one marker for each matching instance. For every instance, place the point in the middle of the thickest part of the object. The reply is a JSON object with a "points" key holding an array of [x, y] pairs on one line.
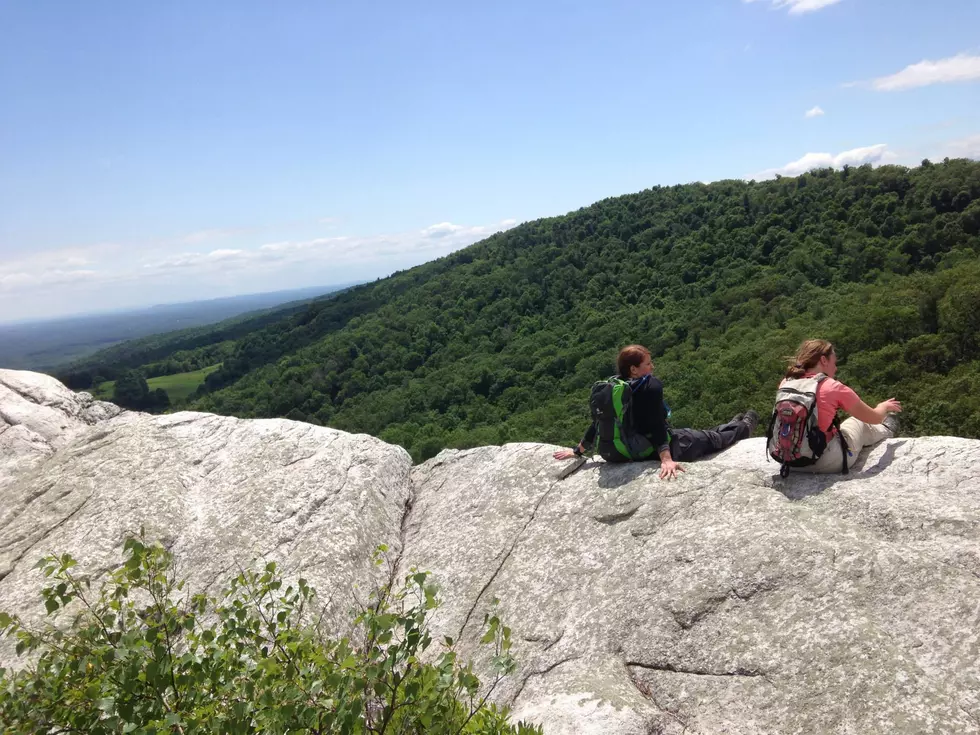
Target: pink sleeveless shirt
{"points": [[832, 395]]}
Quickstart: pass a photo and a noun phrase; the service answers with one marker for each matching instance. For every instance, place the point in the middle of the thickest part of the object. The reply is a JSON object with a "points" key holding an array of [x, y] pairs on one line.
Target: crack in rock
{"points": [[403, 525], [500, 566], [737, 672], [647, 691], [41, 537], [542, 672], [687, 619]]}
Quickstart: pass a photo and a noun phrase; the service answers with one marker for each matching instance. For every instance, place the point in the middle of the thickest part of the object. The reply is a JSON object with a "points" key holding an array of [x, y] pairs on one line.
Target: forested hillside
{"points": [[499, 342]]}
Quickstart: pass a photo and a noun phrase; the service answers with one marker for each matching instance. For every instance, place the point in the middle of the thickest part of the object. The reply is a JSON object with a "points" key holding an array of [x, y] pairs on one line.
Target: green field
{"points": [[178, 386]]}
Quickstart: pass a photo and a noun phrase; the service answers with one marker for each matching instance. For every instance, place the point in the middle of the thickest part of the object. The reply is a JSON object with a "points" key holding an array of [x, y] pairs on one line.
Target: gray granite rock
{"points": [[39, 415], [219, 491], [727, 601]]}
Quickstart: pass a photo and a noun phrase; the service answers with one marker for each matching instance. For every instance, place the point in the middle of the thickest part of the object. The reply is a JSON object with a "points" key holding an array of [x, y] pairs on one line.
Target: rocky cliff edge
{"points": [[728, 601]]}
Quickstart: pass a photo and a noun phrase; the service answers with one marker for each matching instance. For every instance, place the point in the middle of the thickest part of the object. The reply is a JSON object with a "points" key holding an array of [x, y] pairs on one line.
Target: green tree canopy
{"points": [[500, 341]]}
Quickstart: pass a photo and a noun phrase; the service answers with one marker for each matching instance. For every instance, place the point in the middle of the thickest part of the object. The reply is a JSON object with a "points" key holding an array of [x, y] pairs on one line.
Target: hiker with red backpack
{"points": [[804, 432], [630, 419]]}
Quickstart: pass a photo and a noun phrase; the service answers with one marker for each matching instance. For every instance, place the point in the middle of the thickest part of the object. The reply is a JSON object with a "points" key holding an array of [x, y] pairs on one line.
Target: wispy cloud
{"points": [[101, 266], [225, 257], [815, 111], [798, 7], [968, 147], [20, 280], [959, 68], [431, 242], [874, 154]]}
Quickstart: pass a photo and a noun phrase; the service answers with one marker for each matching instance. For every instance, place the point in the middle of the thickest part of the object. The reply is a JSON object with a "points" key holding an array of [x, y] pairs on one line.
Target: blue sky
{"points": [[155, 152]]}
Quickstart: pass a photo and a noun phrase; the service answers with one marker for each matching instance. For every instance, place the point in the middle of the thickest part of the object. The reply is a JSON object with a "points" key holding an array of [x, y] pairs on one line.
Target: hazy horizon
{"points": [[311, 290]]}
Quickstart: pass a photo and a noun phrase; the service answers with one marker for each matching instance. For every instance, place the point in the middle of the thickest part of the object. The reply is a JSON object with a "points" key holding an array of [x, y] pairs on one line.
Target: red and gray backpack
{"points": [[794, 438]]}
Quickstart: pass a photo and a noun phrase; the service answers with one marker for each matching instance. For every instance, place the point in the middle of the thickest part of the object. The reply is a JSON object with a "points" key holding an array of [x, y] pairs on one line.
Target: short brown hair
{"points": [[630, 356], [808, 356]]}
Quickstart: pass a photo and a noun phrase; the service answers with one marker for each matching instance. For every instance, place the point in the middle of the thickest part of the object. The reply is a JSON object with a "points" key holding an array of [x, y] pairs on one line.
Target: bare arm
{"points": [[863, 412]]}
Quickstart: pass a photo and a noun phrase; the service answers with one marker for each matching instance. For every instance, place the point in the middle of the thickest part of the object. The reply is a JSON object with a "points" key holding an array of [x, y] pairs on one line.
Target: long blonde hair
{"points": [[807, 357]]}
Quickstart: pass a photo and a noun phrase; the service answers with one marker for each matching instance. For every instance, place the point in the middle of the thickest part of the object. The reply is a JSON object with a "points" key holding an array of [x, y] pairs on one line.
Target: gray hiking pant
{"points": [[687, 445]]}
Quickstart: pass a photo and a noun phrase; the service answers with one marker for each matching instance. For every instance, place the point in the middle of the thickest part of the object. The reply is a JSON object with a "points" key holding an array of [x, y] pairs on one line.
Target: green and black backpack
{"points": [[611, 404]]}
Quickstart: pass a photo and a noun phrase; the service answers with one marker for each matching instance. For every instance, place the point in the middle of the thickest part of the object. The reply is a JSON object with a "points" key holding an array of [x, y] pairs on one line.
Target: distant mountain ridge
{"points": [[50, 343]]}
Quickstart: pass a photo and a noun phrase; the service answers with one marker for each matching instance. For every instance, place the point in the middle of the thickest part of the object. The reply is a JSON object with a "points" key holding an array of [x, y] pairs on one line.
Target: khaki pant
{"points": [[858, 434]]}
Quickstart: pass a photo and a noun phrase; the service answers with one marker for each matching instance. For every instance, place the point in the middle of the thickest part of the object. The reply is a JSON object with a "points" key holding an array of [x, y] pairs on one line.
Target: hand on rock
{"points": [[669, 469]]}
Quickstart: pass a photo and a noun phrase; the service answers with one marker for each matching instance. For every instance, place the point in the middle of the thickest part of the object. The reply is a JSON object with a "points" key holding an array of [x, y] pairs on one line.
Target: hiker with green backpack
{"points": [[630, 420], [804, 432]]}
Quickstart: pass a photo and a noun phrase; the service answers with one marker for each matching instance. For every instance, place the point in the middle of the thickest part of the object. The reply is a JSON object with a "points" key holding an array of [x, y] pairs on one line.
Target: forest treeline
{"points": [[500, 341]]}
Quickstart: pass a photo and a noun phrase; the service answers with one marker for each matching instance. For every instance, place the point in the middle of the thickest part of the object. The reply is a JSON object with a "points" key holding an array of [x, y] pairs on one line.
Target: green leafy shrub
{"points": [[144, 656]]}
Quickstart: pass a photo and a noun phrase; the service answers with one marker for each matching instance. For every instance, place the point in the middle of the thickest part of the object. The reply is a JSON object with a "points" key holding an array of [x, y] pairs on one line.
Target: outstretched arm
{"points": [[583, 445], [863, 412]]}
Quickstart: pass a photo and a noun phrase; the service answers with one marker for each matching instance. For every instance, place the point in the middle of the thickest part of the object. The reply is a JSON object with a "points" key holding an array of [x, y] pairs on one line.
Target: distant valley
{"points": [[48, 344]]}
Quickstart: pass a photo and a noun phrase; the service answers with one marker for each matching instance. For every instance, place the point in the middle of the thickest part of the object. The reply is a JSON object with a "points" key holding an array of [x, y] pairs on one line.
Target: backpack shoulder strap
{"points": [[835, 422], [843, 446]]}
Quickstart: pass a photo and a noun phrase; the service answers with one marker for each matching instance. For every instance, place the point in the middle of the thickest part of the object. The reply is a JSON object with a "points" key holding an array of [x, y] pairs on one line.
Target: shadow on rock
{"points": [[609, 474], [801, 485], [619, 474], [886, 458]]}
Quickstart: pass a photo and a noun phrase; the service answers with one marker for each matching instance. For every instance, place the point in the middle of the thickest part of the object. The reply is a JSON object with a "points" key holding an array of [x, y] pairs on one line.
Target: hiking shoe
{"points": [[891, 423], [736, 418], [751, 419]]}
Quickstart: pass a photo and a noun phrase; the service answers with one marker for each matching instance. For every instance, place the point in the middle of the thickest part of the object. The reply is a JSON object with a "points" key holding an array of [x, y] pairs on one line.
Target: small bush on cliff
{"points": [[143, 656]]}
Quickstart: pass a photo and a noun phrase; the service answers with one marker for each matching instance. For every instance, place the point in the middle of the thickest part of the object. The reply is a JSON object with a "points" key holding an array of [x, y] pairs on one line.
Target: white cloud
{"points": [[874, 154], [20, 281], [968, 147], [815, 111], [959, 68], [224, 257], [798, 7], [432, 242], [290, 245], [443, 229], [54, 267]]}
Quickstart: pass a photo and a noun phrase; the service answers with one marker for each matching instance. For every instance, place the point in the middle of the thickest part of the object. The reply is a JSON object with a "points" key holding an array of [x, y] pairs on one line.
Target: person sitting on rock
{"points": [[649, 418], [864, 427]]}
